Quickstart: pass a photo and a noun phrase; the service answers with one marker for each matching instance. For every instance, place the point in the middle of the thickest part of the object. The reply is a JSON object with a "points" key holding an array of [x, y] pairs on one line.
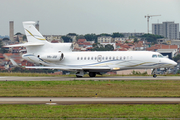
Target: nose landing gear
{"points": [[154, 72], [154, 75]]}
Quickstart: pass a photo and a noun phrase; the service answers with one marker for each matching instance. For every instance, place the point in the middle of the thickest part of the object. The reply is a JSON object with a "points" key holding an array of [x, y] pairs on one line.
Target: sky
{"points": [[60, 17]]}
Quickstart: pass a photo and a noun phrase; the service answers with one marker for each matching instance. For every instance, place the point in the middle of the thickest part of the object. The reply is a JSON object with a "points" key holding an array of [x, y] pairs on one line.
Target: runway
{"points": [[74, 100], [12, 78]]}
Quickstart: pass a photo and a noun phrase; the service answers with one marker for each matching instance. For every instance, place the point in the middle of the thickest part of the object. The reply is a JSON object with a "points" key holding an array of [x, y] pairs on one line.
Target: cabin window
{"points": [[77, 58], [81, 58], [117, 58], [113, 58], [84, 58], [102, 58], [106, 58], [109, 58], [91, 58], [120, 58], [94, 58], [124, 57], [88, 58]]}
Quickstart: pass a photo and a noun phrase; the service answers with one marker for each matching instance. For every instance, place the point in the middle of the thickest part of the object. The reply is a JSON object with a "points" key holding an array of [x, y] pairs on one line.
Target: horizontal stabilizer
{"points": [[25, 44], [14, 63]]}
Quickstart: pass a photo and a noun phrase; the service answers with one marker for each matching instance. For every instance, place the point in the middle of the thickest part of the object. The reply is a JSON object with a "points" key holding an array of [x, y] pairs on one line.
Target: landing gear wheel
{"points": [[78, 76], [92, 74], [154, 75]]}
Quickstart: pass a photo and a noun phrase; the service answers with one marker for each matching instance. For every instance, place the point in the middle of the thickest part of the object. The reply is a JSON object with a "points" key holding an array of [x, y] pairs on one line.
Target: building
{"points": [[165, 50], [11, 30], [168, 30], [170, 53], [104, 39], [52, 37]]}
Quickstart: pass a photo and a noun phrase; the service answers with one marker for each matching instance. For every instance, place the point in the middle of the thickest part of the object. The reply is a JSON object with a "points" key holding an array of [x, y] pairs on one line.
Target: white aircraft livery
{"points": [[61, 56]]}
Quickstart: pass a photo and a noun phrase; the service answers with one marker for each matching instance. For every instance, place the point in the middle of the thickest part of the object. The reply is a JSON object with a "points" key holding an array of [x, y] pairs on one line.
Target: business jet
{"points": [[61, 56]]}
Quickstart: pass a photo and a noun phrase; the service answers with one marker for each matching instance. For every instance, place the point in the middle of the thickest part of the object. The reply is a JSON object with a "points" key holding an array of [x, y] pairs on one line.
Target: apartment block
{"points": [[104, 39], [168, 30]]}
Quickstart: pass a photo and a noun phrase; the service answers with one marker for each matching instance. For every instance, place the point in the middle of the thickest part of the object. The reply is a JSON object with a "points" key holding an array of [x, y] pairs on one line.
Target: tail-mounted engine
{"points": [[52, 57]]}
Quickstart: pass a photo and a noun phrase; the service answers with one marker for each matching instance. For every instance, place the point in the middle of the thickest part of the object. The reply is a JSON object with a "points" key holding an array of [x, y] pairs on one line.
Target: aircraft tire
{"points": [[78, 76], [92, 74], [154, 75]]}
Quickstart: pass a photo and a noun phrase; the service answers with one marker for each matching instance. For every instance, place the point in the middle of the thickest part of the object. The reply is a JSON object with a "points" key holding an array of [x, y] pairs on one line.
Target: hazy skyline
{"points": [[60, 17]]}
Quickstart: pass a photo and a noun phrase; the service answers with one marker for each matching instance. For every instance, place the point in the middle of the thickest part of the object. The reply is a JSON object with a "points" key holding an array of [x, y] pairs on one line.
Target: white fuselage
{"points": [[115, 60]]}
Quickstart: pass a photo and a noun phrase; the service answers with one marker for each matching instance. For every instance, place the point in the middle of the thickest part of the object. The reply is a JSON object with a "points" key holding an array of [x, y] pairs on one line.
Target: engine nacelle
{"points": [[52, 57]]}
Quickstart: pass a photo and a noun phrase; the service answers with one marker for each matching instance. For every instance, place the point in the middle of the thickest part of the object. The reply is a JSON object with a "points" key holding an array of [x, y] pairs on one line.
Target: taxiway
{"points": [[72, 100], [11, 78]]}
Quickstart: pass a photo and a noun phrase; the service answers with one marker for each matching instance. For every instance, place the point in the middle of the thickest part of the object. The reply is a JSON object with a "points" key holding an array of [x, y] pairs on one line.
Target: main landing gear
{"points": [[92, 74], [154, 72], [80, 74]]}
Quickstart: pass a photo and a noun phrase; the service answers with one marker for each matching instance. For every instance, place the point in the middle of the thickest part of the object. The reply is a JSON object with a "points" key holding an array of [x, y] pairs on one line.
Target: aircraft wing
{"points": [[25, 44], [70, 68]]}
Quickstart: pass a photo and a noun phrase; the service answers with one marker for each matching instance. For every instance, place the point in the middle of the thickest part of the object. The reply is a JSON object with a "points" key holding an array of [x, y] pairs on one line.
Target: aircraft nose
{"points": [[174, 63]]}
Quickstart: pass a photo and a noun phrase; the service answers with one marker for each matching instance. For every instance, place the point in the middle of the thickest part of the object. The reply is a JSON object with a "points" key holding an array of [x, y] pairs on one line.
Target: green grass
{"points": [[90, 111], [134, 88]]}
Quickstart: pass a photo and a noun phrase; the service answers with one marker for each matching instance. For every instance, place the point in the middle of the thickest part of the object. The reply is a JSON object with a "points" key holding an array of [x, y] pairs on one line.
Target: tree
{"points": [[91, 37], [99, 47], [109, 47], [2, 49], [151, 38], [126, 41], [135, 40], [17, 39], [18, 33], [24, 38], [80, 37], [66, 39], [71, 34], [5, 38], [176, 58], [105, 34], [117, 35]]}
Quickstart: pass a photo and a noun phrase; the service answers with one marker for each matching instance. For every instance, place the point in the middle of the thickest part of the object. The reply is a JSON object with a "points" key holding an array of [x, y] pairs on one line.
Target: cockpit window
{"points": [[160, 56], [154, 56]]}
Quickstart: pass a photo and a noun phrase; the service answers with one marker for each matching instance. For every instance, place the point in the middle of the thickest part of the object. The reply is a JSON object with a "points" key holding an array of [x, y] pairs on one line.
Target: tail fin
{"points": [[32, 34]]}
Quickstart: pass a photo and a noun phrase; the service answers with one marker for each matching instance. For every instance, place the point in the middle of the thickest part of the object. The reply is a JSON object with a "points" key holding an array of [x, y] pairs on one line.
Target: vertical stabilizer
{"points": [[32, 34]]}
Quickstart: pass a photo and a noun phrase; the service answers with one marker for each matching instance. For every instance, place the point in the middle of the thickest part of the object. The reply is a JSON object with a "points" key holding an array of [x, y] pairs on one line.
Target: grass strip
{"points": [[134, 88], [91, 111]]}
